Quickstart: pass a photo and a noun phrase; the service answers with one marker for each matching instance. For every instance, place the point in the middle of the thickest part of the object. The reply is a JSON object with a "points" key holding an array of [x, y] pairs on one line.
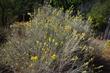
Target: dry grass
{"points": [[106, 51]]}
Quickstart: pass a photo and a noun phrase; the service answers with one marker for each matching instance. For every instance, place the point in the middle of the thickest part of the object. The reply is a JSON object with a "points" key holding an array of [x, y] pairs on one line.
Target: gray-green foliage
{"points": [[56, 38]]}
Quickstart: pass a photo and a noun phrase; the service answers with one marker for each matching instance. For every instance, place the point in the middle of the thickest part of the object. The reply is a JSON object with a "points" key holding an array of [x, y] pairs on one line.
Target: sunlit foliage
{"points": [[99, 14]]}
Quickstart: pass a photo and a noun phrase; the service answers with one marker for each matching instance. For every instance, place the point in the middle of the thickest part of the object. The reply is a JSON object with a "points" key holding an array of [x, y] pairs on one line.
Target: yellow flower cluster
{"points": [[34, 58], [53, 57]]}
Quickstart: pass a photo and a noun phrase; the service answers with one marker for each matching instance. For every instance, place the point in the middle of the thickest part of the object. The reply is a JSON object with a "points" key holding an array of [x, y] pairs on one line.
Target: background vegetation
{"points": [[97, 10]]}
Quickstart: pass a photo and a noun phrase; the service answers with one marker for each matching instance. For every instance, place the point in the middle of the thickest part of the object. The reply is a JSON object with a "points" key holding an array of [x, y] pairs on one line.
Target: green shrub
{"points": [[100, 13], [13, 8], [66, 4]]}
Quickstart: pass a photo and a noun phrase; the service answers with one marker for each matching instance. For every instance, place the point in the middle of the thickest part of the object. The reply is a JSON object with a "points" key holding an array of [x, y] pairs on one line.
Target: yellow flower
{"points": [[43, 49], [45, 43], [56, 43], [50, 39], [34, 58], [30, 66], [53, 40], [74, 58], [61, 42], [84, 72], [54, 57], [37, 42], [67, 28], [83, 34]]}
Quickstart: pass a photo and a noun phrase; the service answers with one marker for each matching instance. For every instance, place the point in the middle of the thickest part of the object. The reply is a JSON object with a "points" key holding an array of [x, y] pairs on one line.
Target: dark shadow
{"points": [[23, 17], [98, 61], [3, 38], [6, 69]]}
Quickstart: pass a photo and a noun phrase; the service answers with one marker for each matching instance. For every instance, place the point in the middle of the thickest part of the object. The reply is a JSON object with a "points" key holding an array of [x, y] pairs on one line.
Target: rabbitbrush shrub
{"points": [[53, 42]]}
